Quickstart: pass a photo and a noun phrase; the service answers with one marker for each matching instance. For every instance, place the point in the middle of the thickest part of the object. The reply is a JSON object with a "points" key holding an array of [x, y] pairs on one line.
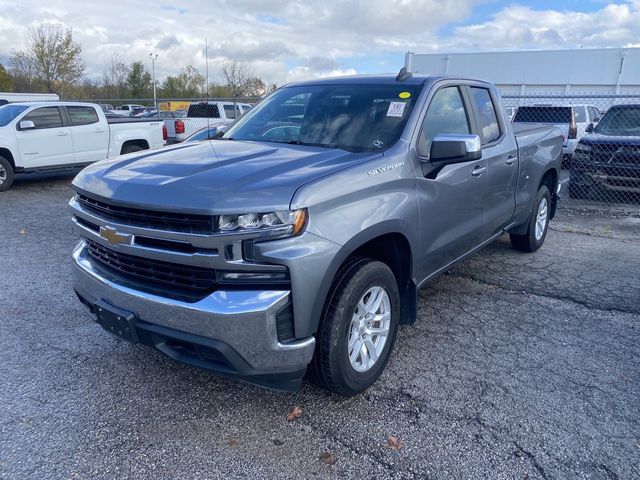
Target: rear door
{"points": [[451, 199], [49, 143], [501, 154], [90, 136]]}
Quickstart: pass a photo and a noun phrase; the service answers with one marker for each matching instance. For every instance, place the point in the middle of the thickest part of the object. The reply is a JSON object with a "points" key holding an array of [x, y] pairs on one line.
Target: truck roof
{"points": [[377, 79], [52, 103]]}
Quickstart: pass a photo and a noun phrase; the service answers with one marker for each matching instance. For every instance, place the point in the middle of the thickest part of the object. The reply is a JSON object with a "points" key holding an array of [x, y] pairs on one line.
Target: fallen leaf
{"points": [[328, 458], [233, 442], [296, 412], [394, 443], [22, 231]]}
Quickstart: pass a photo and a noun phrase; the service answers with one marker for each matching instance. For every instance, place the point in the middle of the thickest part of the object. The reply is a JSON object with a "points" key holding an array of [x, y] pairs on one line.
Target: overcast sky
{"points": [[290, 40]]}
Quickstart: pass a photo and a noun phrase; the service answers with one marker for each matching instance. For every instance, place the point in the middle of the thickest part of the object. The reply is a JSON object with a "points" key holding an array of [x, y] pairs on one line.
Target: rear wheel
{"points": [[538, 224], [358, 328], [6, 174]]}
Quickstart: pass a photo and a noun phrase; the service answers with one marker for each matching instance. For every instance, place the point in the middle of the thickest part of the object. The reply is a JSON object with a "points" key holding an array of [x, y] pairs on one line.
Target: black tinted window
{"points": [[203, 110], [543, 114], [82, 115], [46, 117], [446, 114]]}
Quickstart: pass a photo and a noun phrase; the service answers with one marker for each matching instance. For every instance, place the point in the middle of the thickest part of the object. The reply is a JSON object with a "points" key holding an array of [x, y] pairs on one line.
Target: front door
{"points": [[49, 143], [451, 199]]}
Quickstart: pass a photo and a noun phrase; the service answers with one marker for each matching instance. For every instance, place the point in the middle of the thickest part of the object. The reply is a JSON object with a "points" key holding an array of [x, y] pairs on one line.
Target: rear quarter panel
{"points": [[539, 150]]}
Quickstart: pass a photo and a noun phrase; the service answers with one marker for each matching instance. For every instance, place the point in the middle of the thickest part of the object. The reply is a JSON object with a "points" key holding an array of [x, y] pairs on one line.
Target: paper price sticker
{"points": [[396, 109]]}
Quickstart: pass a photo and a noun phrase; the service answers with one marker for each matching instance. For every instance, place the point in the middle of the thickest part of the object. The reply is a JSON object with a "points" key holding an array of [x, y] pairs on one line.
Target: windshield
{"points": [[620, 121], [9, 112], [553, 115], [352, 117]]}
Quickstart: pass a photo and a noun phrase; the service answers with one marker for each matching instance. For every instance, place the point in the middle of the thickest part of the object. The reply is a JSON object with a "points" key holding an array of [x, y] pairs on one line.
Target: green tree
{"points": [[6, 82], [139, 81], [51, 56], [188, 84]]}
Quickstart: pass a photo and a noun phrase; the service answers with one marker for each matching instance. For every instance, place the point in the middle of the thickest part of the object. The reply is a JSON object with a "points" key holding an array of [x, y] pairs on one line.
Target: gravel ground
{"points": [[520, 366]]}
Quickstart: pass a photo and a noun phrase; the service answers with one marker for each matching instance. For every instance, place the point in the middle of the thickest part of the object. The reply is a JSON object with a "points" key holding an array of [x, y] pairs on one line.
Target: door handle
{"points": [[99, 130], [478, 171], [511, 159], [62, 134]]}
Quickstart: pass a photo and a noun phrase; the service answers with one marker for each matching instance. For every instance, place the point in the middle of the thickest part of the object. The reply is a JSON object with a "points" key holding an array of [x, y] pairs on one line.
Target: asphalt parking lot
{"points": [[520, 366]]}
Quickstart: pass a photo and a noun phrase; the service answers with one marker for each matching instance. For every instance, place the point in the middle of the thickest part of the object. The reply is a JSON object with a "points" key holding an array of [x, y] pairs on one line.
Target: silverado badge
{"points": [[112, 236]]}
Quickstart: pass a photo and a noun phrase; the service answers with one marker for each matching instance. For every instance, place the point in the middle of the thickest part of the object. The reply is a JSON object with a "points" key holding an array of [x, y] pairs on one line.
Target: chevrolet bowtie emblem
{"points": [[112, 236]]}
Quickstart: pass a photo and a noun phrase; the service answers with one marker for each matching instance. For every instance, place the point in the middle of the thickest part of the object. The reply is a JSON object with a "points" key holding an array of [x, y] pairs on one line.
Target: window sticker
{"points": [[396, 109], [404, 94]]}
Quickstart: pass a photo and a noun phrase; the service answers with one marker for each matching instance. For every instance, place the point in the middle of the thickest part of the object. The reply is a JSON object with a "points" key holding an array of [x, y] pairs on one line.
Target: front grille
{"points": [[163, 278], [177, 222]]}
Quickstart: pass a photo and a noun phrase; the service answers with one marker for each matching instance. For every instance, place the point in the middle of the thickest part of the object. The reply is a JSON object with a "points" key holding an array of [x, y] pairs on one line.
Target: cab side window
{"points": [[82, 115], [45, 117], [487, 116], [446, 114]]}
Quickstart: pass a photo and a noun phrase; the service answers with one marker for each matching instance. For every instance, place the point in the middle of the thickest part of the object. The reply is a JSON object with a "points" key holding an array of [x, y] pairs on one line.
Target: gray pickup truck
{"points": [[296, 243]]}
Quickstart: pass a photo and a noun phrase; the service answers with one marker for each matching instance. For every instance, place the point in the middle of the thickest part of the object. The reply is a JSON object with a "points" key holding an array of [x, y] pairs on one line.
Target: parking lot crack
{"points": [[532, 459]]}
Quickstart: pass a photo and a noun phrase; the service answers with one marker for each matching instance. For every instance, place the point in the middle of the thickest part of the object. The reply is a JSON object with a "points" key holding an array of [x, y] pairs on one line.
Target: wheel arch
{"points": [[384, 242], [6, 153], [550, 179], [137, 142]]}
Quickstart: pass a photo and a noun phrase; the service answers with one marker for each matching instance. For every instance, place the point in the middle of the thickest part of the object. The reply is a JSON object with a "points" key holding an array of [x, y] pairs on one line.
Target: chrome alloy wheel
{"points": [[3, 174], [541, 218], [369, 328]]}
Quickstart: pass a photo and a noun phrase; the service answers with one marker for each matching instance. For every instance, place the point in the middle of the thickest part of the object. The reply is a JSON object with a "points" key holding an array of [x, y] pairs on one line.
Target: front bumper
{"points": [[236, 329]]}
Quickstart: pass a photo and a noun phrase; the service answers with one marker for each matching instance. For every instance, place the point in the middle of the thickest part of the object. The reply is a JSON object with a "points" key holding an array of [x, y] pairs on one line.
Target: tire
{"points": [[331, 367], [534, 238], [6, 174], [131, 149]]}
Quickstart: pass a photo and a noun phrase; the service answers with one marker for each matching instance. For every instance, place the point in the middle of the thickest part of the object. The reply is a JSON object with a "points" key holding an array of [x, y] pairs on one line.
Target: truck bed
{"points": [[132, 120]]}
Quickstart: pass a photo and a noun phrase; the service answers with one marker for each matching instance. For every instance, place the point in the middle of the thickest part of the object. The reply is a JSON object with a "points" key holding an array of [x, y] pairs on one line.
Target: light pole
{"points": [[154, 57]]}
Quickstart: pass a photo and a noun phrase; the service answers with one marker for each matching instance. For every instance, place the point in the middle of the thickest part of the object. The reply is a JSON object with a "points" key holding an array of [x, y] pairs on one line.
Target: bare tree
{"points": [[237, 76], [114, 78], [54, 55], [22, 68]]}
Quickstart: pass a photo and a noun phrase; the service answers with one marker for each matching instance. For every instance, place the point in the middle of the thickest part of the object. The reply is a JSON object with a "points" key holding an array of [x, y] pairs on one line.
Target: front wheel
{"points": [[358, 328], [6, 174], [538, 224]]}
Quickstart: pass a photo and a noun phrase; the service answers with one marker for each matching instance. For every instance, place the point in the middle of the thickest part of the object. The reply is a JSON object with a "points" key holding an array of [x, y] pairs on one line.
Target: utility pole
{"points": [[154, 57]]}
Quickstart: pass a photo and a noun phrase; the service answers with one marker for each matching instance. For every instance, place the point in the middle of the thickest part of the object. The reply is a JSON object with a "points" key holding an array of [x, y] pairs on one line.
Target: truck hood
{"points": [[600, 139], [214, 177]]}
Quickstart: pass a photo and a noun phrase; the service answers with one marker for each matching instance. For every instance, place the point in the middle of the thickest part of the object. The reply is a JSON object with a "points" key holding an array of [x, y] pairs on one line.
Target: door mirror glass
{"points": [[446, 149], [589, 128], [27, 125]]}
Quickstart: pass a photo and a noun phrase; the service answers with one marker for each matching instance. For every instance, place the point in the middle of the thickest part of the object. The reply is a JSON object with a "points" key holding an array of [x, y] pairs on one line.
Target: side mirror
{"points": [[27, 125], [446, 149], [589, 128]]}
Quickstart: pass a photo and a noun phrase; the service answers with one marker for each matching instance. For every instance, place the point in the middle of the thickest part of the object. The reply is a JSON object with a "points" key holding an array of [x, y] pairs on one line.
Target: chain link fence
{"points": [[601, 151]]}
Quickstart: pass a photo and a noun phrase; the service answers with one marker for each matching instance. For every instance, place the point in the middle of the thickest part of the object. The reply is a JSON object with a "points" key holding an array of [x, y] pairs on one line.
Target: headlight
{"points": [[294, 220]]}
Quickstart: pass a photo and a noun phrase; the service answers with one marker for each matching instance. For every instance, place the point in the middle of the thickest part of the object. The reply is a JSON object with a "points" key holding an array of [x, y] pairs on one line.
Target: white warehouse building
{"points": [[602, 72]]}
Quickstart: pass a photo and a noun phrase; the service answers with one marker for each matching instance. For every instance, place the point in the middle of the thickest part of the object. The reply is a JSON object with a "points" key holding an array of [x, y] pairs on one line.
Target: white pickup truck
{"points": [[206, 114], [54, 136]]}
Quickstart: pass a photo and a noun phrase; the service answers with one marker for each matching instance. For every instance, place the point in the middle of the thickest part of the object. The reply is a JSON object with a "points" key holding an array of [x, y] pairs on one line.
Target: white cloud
{"points": [[296, 39]]}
